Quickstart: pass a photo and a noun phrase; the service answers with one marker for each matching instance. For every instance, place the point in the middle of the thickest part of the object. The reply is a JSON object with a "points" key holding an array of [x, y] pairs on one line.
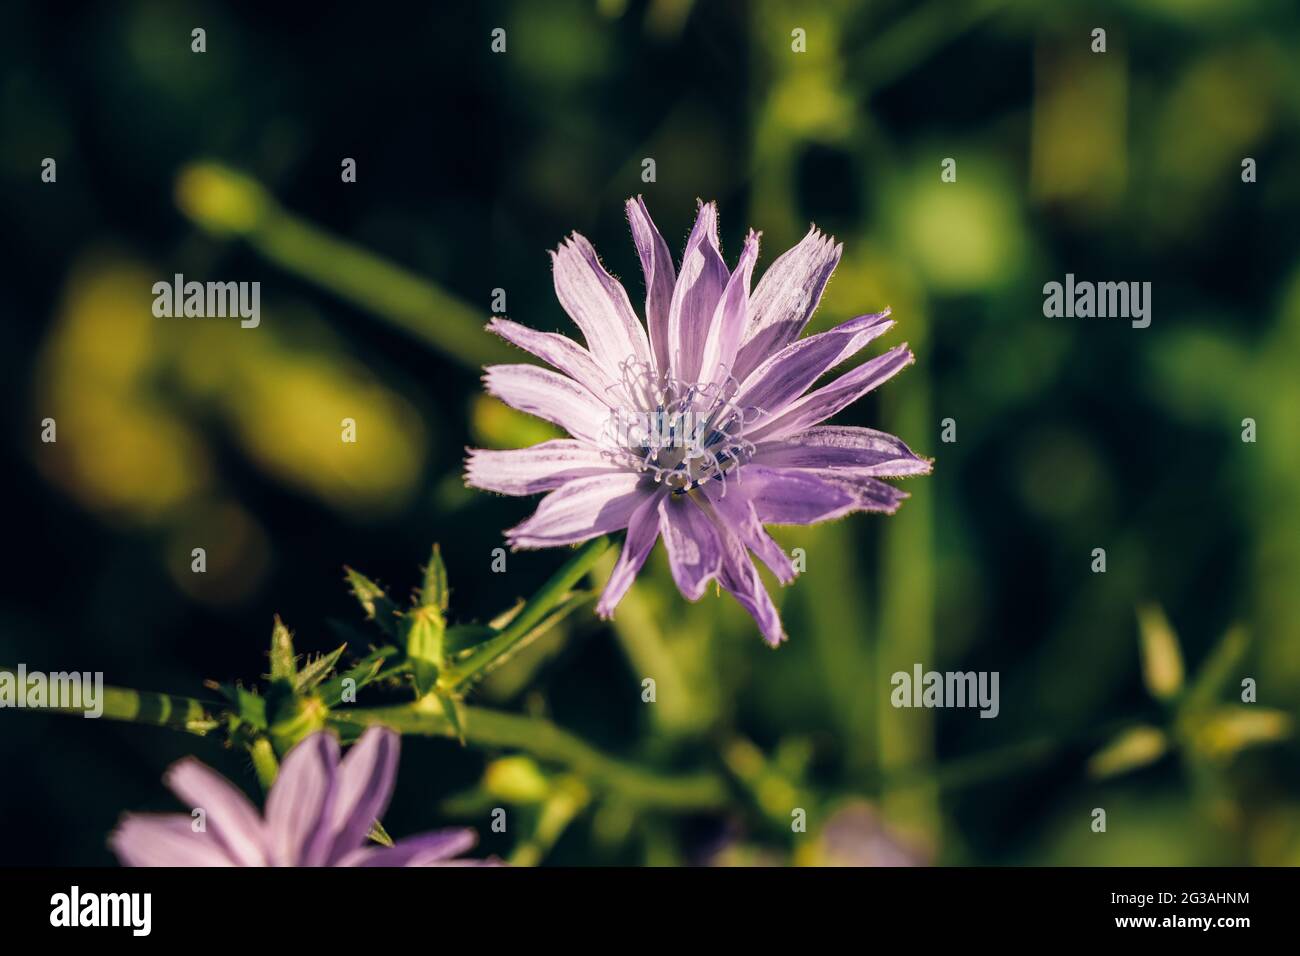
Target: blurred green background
{"points": [[1072, 434]]}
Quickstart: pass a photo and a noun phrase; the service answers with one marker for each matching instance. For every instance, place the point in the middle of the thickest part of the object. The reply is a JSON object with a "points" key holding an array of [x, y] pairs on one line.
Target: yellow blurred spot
{"points": [[810, 103], [516, 780], [119, 450], [494, 424], [122, 386], [1219, 108], [220, 199], [288, 411], [1079, 126], [1133, 748], [1227, 730], [963, 235], [1162, 660]]}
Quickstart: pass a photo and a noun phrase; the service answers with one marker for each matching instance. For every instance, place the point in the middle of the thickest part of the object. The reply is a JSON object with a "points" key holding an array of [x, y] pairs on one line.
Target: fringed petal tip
{"points": [[921, 467]]}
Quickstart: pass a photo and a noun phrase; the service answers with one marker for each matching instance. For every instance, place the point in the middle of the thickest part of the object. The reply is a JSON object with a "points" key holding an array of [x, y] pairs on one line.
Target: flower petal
{"points": [[549, 395], [579, 510], [231, 819], [736, 513], [740, 579], [729, 318], [301, 802], [695, 296], [165, 839], [561, 352], [365, 783], [786, 297], [815, 407], [858, 451], [543, 467], [783, 377], [660, 277], [599, 306], [642, 533], [693, 543], [803, 496], [427, 849]]}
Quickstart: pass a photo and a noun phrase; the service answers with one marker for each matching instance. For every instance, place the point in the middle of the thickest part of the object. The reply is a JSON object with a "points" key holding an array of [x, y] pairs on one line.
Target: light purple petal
{"points": [[736, 513], [301, 802], [580, 510], [365, 783], [783, 377], [730, 318], [859, 451], [693, 544], [530, 471], [660, 277], [695, 296], [564, 354], [231, 819], [165, 839], [820, 405], [740, 578], [549, 395], [642, 533], [802, 496], [785, 298], [427, 849], [599, 306]]}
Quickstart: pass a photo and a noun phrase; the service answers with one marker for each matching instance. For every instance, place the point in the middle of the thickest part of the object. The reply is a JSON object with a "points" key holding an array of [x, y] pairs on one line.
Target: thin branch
{"points": [[545, 741]]}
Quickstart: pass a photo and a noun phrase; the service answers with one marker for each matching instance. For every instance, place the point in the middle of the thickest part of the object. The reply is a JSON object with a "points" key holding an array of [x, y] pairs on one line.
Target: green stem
{"points": [[146, 707], [493, 650], [546, 741], [699, 791], [225, 203]]}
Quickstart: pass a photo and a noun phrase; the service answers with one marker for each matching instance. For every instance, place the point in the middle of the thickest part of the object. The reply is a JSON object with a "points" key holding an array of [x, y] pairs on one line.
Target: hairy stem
{"points": [[146, 707]]}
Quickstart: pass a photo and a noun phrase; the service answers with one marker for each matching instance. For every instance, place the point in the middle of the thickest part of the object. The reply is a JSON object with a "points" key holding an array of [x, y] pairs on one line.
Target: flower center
{"points": [[691, 434]]}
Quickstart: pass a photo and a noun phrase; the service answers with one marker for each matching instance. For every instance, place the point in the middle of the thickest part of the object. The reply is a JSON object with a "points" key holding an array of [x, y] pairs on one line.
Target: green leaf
{"points": [[498, 649], [316, 671], [375, 602], [1162, 660], [435, 592], [362, 674], [450, 708], [282, 657]]}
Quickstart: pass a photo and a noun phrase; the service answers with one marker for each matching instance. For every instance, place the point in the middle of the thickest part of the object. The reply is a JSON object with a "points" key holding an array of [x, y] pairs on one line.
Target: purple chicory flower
{"points": [[318, 813], [697, 427]]}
